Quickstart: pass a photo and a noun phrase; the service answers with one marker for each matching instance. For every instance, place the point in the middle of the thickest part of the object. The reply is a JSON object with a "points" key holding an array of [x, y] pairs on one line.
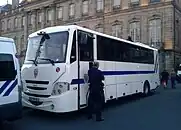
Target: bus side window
{"points": [[73, 51]]}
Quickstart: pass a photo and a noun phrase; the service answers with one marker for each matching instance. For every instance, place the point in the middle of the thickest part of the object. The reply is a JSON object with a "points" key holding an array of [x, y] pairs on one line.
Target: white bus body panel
{"points": [[121, 79], [61, 103]]}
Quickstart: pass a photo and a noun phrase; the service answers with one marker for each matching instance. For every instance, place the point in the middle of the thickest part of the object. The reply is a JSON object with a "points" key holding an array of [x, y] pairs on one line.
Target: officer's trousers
{"points": [[95, 105]]}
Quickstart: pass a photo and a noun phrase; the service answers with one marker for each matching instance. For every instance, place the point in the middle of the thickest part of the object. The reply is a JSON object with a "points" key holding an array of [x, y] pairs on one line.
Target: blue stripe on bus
{"points": [[4, 86], [11, 88], [109, 73], [126, 72]]}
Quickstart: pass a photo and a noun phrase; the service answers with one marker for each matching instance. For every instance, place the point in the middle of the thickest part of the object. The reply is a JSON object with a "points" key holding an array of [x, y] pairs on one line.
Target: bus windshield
{"points": [[53, 49], [7, 68]]}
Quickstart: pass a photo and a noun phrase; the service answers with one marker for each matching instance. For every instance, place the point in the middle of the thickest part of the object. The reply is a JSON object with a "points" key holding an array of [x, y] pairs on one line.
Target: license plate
{"points": [[34, 99]]}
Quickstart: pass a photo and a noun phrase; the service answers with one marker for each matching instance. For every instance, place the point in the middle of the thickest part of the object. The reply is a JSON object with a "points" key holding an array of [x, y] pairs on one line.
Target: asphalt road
{"points": [[160, 111]]}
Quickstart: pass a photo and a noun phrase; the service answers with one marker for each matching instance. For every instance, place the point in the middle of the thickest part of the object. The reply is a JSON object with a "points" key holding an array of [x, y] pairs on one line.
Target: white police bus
{"points": [[57, 62], [10, 82]]}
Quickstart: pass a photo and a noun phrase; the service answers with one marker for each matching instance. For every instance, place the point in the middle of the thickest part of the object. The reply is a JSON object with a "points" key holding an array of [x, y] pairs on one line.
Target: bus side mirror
{"points": [[72, 57]]}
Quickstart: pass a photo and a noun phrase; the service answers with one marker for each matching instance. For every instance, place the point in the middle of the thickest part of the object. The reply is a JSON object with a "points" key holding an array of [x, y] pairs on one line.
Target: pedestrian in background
{"points": [[164, 78], [173, 78], [96, 92]]}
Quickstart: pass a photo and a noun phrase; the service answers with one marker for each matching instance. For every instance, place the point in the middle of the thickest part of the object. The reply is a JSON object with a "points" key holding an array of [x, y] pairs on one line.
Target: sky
{"points": [[3, 2]]}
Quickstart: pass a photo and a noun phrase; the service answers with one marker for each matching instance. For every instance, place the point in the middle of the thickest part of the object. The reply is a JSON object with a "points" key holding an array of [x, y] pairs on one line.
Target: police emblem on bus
{"points": [[35, 73]]}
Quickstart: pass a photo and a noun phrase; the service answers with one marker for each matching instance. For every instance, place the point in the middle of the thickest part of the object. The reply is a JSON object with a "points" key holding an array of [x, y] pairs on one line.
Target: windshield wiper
{"points": [[34, 62], [44, 37], [51, 61]]}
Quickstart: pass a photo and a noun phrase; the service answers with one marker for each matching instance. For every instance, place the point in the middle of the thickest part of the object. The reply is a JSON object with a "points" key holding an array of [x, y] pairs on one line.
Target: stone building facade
{"points": [[153, 22]]}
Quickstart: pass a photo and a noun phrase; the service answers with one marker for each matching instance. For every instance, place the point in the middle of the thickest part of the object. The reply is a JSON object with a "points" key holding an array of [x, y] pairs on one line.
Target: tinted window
{"points": [[73, 51], [113, 50], [85, 46], [7, 69]]}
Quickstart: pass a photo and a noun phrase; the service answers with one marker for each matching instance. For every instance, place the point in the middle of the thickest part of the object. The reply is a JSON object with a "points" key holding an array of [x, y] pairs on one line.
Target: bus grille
{"points": [[37, 82], [35, 103], [36, 88], [37, 95]]}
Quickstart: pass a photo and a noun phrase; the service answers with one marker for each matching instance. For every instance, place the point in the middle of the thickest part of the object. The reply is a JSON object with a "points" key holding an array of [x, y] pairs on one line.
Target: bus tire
{"points": [[146, 88]]}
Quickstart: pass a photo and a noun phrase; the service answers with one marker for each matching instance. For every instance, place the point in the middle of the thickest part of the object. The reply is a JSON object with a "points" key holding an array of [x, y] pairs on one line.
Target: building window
{"points": [[155, 31], [30, 19], [85, 7], [2, 25], [72, 10], [60, 13], [134, 31], [116, 3], [39, 17], [134, 2], [23, 21], [49, 15], [116, 30], [32, 22], [9, 24], [100, 5], [153, 1], [16, 22], [177, 30]]}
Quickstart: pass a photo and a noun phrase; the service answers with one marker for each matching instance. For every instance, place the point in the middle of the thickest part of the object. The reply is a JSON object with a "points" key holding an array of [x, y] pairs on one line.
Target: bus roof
{"points": [[67, 27], [6, 39]]}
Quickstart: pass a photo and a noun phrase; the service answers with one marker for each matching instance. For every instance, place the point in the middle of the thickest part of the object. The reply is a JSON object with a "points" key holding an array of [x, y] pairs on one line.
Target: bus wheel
{"points": [[146, 89]]}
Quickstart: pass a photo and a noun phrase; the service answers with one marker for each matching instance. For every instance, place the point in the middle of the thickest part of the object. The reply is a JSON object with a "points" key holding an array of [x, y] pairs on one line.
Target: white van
{"points": [[10, 83]]}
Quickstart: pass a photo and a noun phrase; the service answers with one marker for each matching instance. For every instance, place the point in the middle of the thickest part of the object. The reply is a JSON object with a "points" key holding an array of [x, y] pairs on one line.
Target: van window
{"points": [[7, 68]]}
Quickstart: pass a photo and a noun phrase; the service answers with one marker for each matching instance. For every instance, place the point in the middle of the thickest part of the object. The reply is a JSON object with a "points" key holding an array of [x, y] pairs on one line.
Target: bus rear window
{"points": [[7, 68]]}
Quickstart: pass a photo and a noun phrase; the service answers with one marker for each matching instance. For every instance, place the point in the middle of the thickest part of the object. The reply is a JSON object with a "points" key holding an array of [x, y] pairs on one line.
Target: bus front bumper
{"points": [[58, 104]]}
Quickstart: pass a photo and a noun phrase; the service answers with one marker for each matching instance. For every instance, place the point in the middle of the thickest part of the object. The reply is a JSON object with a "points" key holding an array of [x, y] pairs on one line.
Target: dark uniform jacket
{"points": [[95, 79]]}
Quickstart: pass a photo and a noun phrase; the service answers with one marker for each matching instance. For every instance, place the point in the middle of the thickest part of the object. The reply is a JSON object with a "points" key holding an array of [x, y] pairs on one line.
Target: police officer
{"points": [[96, 92]]}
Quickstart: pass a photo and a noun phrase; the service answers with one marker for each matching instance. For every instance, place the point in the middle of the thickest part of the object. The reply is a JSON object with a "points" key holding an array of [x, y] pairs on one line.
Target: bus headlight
{"points": [[60, 88]]}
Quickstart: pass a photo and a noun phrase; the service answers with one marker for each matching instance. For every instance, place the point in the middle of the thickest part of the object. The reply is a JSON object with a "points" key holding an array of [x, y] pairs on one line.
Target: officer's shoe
{"points": [[100, 119]]}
